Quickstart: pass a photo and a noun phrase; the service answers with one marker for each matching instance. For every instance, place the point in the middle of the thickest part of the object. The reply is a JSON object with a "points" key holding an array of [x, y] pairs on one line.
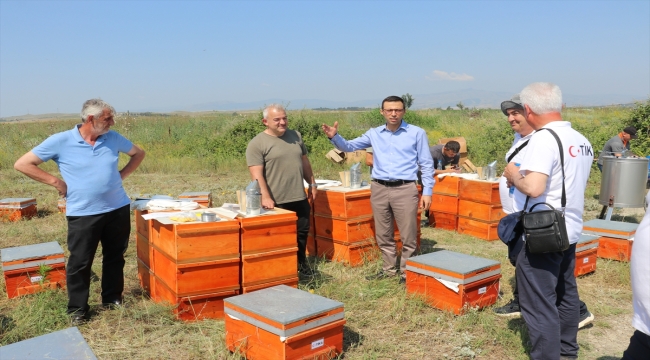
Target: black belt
{"points": [[393, 183]]}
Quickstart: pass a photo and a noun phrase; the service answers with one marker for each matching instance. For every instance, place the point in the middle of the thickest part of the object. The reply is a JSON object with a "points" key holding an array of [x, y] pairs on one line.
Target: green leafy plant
{"points": [[43, 270]]}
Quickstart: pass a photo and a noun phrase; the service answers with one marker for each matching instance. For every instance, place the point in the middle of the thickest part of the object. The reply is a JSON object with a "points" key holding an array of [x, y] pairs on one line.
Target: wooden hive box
{"points": [[14, 209], [480, 211], [616, 238], [32, 268], [447, 185], [482, 191], [345, 230], [614, 249], [142, 226], [343, 203], [440, 220], [269, 247], [477, 228], [197, 307], [444, 203], [283, 323], [470, 281], [195, 258], [203, 198], [612, 229], [293, 282], [586, 250], [146, 278], [353, 254], [62, 344]]}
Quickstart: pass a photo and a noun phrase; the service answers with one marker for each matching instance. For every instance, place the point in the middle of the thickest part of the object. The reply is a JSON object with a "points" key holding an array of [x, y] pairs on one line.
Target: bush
{"points": [[640, 119]]}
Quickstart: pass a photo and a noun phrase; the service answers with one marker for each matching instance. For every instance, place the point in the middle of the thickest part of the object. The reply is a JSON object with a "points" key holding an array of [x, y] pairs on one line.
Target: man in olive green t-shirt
{"points": [[277, 158]]}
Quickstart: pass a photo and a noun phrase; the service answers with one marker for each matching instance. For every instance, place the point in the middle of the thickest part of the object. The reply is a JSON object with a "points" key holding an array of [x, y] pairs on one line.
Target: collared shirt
{"points": [[504, 190], [397, 155], [612, 146], [90, 172]]}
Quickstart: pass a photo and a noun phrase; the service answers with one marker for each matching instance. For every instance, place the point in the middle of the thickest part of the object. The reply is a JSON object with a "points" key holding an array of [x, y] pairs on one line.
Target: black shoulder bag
{"points": [[545, 230]]}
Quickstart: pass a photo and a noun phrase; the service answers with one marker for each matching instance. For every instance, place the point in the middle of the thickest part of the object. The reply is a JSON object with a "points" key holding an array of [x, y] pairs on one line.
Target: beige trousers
{"points": [[401, 204]]}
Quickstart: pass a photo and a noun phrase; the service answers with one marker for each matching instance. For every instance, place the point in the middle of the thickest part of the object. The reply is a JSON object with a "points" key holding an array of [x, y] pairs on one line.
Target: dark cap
{"points": [[514, 103], [631, 130]]}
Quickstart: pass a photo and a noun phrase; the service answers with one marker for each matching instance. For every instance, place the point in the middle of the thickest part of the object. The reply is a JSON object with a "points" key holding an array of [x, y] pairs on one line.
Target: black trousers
{"points": [[303, 211], [549, 302], [84, 235], [639, 348]]}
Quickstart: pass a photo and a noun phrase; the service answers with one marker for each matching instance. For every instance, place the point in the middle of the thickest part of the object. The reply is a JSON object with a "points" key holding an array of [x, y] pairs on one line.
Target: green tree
{"points": [[460, 105], [408, 100]]}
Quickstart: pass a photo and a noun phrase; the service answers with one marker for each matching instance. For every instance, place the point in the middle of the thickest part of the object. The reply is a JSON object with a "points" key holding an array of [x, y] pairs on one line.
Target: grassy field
{"points": [[203, 153]]}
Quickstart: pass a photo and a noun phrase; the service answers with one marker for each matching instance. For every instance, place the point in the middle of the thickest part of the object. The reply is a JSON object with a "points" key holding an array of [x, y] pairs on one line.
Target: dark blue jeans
{"points": [[639, 348], [549, 302], [84, 235]]}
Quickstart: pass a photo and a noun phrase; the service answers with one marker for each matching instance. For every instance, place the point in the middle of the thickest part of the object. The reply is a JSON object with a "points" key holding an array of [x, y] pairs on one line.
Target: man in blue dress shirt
{"points": [[400, 150]]}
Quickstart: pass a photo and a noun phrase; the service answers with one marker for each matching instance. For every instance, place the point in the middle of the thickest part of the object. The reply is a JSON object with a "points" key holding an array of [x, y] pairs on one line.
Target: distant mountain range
{"points": [[470, 98]]}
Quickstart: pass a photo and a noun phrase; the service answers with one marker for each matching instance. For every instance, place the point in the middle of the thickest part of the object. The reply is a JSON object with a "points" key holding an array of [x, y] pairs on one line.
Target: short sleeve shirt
{"points": [[90, 172], [282, 160], [439, 157]]}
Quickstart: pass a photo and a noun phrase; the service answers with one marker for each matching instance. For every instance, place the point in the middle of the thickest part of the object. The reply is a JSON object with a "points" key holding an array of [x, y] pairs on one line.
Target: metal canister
{"points": [[208, 217]]}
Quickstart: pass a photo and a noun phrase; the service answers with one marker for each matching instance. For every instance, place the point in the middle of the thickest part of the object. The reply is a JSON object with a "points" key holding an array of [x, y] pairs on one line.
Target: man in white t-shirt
{"points": [[548, 291], [514, 110]]}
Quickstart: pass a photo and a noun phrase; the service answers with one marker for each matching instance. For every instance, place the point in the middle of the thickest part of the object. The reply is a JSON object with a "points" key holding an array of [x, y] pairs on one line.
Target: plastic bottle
{"points": [[511, 191], [253, 198]]}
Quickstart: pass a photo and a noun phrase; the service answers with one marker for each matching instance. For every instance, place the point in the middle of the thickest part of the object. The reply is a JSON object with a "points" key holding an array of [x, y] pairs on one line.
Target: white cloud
{"points": [[443, 75]]}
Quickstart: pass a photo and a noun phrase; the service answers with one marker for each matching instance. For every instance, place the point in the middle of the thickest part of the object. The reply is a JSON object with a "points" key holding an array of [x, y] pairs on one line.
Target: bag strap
{"points": [[517, 150], [559, 144]]}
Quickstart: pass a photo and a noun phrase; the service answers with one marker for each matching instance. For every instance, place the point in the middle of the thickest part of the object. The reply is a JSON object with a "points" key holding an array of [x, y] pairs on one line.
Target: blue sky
{"points": [[141, 55]]}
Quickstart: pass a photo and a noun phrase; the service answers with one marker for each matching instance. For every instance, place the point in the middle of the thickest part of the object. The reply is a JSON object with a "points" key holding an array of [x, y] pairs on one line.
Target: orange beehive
{"points": [[444, 203], [616, 238], [283, 323], [441, 220], [196, 258], [353, 254], [615, 249], [146, 277], [343, 203], [447, 185], [32, 268], [142, 226], [480, 211], [453, 281], [482, 191], [197, 307], [477, 228], [269, 248], [345, 230], [203, 198], [293, 282], [586, 250], [14, 209]]}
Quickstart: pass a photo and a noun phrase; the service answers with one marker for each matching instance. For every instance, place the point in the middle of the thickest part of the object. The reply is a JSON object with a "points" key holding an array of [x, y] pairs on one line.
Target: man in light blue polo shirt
{"points": [[97, 207], [400, 150]]}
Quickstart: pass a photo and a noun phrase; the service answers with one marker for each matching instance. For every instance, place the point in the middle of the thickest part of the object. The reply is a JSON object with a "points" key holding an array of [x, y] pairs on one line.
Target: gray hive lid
{"points": [[587, 238], [587, 242], [63, 344], [283, 304], [16, 202], [614, 229], [30, 251], [453, 262], [195, 194]]}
